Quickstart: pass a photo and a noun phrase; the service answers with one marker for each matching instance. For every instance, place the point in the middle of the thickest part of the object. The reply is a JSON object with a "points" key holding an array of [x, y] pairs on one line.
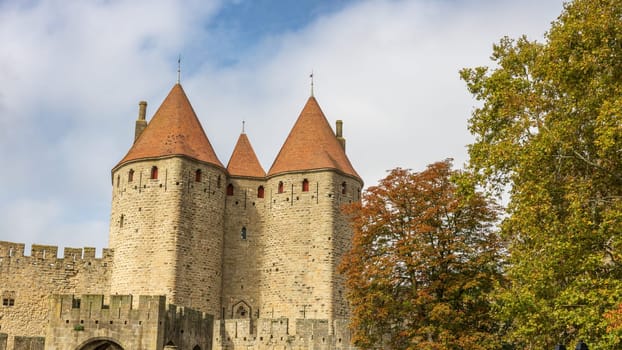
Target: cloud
{"points": [[73, 74]]}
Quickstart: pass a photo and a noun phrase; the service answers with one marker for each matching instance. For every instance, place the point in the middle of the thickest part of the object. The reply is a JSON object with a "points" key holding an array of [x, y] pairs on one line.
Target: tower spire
{"points": [[179, 69]]}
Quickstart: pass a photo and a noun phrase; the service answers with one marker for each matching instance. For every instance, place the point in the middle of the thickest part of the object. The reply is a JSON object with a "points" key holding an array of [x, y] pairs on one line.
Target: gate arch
{"points": [[100, 343]]}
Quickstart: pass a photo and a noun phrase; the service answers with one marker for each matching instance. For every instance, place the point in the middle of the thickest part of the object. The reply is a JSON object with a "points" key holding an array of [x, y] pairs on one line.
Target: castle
{"points": [[202, 256]]}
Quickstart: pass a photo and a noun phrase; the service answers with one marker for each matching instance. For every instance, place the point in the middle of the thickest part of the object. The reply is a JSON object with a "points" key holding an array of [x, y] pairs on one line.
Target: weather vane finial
{"points": [[243, 122], [311, 76], [179, 69]]}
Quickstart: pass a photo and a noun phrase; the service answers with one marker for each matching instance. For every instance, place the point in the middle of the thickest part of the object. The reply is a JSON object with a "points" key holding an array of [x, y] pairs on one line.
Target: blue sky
{"points": [[72, 74]]}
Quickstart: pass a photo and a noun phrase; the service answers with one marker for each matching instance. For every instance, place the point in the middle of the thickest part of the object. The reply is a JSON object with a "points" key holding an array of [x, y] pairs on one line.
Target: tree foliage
{"points": [[424, 258], [550, 128]]}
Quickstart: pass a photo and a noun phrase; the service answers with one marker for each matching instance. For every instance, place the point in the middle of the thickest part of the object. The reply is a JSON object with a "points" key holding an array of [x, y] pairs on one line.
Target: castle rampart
{"points": [[28, 280], [276, 333], [75, 322]]}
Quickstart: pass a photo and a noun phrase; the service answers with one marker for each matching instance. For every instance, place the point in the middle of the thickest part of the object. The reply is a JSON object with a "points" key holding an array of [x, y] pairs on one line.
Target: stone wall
{"points": [[77, 322], [268, 334], [27, 281], [29, 343], [3, 338], [243, 249], [167, 232]]}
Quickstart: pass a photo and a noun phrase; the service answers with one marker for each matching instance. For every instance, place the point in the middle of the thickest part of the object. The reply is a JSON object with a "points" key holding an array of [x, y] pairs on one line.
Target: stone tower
{"points": [[166, 227], [305, 232], [243, 236]]}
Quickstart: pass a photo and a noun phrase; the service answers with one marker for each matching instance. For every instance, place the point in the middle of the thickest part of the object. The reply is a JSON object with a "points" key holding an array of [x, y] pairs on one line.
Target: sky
{"points": [[72, 74]]}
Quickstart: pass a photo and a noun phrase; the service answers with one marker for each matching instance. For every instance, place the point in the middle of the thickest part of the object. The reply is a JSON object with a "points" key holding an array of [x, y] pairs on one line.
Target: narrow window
{"points": [[154, 172], [218, 182], [11, 302], [121, 220], [343, 187], [130, 175], [305, 185], [280, 186], [118, 180], [5, 302], [260, 192], [243, 232], [197, 175], [230, 190]]}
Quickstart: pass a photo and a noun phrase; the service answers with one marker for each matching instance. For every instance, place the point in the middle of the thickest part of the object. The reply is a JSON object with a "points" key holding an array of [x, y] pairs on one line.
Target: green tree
{"points": [[424, 258], [549, 128]]}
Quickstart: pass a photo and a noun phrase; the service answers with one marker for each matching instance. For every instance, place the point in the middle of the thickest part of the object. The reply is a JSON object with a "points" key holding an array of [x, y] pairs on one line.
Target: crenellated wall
{"points": [[267, 334], [78, 322], [28, 280]]}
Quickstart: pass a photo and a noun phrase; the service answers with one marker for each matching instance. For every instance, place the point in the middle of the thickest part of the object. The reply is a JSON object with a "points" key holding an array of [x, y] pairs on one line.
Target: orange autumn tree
{"points": [[425, 257]]}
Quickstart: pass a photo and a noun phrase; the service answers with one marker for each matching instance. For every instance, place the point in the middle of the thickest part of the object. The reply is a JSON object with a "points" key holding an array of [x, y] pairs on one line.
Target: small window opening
{"points": [[121, 220], [343, 187], [243, 232], [260, 192], [218, 182], [280, 186], [154, 172], [197, 175], [230, 190], [305, 185], [130, 175], [118, 180]]}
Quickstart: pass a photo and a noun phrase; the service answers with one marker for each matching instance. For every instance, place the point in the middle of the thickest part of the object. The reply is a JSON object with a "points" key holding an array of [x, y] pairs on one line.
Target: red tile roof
{"points": [[312, 145], [173, 130], [243, 160]]}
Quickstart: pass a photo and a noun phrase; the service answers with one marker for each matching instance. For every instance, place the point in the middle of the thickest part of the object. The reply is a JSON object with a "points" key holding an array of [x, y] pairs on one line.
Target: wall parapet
{"points": [[264, 333], [49, 253]]}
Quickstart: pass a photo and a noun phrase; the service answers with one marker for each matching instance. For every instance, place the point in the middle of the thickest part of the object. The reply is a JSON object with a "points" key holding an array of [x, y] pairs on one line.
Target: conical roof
{"points": [[244, 161], [173, 130], [312, 145]]}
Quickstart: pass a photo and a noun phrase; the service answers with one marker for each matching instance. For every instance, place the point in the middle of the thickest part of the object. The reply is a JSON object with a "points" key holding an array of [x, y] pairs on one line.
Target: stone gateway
{"points": [[201, 256]]}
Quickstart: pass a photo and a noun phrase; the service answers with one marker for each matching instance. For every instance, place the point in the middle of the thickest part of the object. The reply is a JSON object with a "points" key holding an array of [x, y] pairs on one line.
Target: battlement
{"points": [[149, 325], [49, 253], [265, 333]]}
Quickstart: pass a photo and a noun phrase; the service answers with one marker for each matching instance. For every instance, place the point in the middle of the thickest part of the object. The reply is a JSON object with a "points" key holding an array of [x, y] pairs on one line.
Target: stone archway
{"points": [[100, 344]]}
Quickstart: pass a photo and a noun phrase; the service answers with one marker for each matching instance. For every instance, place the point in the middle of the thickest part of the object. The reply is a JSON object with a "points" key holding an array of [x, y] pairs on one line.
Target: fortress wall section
{"points": [[268, 334], [305, 237], [75, 322], [166, 230], [27, 281], [243, 250]]}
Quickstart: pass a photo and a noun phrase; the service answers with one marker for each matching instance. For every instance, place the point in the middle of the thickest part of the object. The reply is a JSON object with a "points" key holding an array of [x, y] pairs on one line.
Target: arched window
{"points": [[343, 187], [230, 190], [130, 175], [197, 175], [154, 172], [260, 192], [280, 186], [305, 185], [243, 232]]}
